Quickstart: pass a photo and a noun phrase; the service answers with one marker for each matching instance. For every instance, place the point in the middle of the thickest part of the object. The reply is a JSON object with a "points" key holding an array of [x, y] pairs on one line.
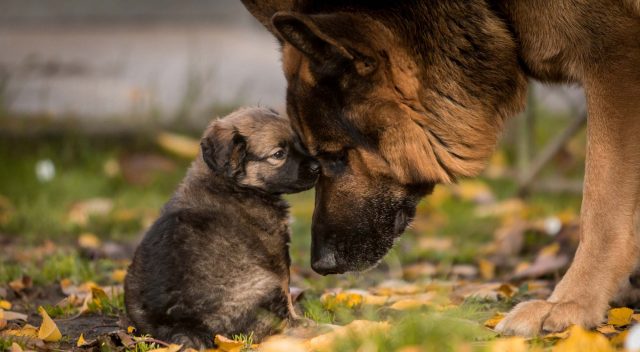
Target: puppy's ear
{"points": [[224, 150]]}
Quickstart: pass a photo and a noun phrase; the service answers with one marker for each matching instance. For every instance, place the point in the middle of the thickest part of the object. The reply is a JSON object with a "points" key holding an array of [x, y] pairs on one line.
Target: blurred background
{"points": [[101, 105]]}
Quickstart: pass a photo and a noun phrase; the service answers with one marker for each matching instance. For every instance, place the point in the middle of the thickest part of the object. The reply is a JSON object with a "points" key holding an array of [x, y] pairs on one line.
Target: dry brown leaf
{"points": [[15, 348], [394, 287], [80, 212], [620, 316], [9, 315], [506, 208], [23, 283], [464, 270], [435, 244], [418, 270]]}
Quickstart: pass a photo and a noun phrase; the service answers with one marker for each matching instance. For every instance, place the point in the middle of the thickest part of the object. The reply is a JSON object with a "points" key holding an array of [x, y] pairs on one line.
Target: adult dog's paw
{"points": [[565, 314], [535, 317], [525, 319]]}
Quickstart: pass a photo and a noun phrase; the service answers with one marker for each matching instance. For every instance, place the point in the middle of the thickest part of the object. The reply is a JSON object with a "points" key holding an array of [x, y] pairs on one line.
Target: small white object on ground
{"points": [[45, 170]]}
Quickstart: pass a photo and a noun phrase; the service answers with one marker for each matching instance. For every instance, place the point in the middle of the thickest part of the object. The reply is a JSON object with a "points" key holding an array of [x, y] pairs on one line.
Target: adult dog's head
{"points": [[391, 99]]}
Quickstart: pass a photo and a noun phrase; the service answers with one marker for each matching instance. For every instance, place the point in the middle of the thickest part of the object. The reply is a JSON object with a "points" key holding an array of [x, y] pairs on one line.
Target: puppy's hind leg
{"points": [[193, 338]]}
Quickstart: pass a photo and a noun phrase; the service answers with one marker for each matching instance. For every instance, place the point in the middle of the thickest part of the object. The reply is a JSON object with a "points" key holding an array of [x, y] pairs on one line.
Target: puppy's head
{"points": [[257, 149]]}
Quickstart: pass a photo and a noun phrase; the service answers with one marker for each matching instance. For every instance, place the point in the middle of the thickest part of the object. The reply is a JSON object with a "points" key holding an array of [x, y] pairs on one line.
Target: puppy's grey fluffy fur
{"points": [[217, 261]]}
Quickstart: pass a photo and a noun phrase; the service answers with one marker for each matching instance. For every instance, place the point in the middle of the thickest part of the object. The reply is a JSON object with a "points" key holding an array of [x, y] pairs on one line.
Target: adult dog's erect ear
{"points": [[305, 34], [263, 10], [322, 38], [224, 150]]}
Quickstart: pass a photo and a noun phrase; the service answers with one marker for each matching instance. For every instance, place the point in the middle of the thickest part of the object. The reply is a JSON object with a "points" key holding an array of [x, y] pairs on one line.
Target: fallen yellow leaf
{"points": [[171, 348], [118, 275], [130, 329], [81, 341], [373, 300], [89, 241], [474, 190], [324, 342], [557, 335], [620, 316], [494, 320], [26, 331], [410, 304], [5, 304], [583, 341], [15, 347], [509, 344], [331, 300], [550, 250], [487, 269], [281, 343], [607, 329], [226, 344], [182, 146], [48, 330], [618, 340]]}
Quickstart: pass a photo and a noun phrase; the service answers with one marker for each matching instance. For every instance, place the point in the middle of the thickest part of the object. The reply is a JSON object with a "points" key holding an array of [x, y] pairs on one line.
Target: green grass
{"points": [[39, 210]]}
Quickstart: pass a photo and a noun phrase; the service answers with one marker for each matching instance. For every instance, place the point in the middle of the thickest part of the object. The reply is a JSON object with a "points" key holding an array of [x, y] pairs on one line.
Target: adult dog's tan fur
{"points": [[424, 89]]}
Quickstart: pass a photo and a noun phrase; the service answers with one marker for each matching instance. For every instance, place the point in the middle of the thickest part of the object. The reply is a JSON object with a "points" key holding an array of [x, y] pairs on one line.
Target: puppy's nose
{"points": [[314, 167]]}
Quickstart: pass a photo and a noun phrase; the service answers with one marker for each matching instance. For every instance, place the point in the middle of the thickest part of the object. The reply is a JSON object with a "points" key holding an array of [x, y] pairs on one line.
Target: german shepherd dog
{"points": [[217, 259], [394, 97]]}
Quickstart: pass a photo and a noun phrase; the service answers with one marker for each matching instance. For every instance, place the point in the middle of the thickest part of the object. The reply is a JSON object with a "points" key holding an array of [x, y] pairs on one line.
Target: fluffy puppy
{"points": [[217, 259]]}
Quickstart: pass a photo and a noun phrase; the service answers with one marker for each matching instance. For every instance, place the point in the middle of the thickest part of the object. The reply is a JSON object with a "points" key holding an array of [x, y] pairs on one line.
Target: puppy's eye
{"points": [[279, 155]]}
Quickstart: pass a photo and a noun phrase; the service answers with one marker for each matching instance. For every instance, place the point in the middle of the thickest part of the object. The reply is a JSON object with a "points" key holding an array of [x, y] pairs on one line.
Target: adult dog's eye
{"points": [[279, 155], [334, 162]]}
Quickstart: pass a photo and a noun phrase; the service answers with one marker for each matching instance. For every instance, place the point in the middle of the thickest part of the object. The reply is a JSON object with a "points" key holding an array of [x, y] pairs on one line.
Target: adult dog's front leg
{"points": [[608, 248]]}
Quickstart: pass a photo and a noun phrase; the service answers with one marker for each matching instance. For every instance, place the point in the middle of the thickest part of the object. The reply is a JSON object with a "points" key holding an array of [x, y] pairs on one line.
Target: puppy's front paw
{"points": [[534, 317]]}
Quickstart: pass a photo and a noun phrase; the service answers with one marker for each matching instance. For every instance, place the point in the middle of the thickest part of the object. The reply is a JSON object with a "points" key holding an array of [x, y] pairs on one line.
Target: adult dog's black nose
{"points": [[314, 167], [323, 258], [325, 265]]}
